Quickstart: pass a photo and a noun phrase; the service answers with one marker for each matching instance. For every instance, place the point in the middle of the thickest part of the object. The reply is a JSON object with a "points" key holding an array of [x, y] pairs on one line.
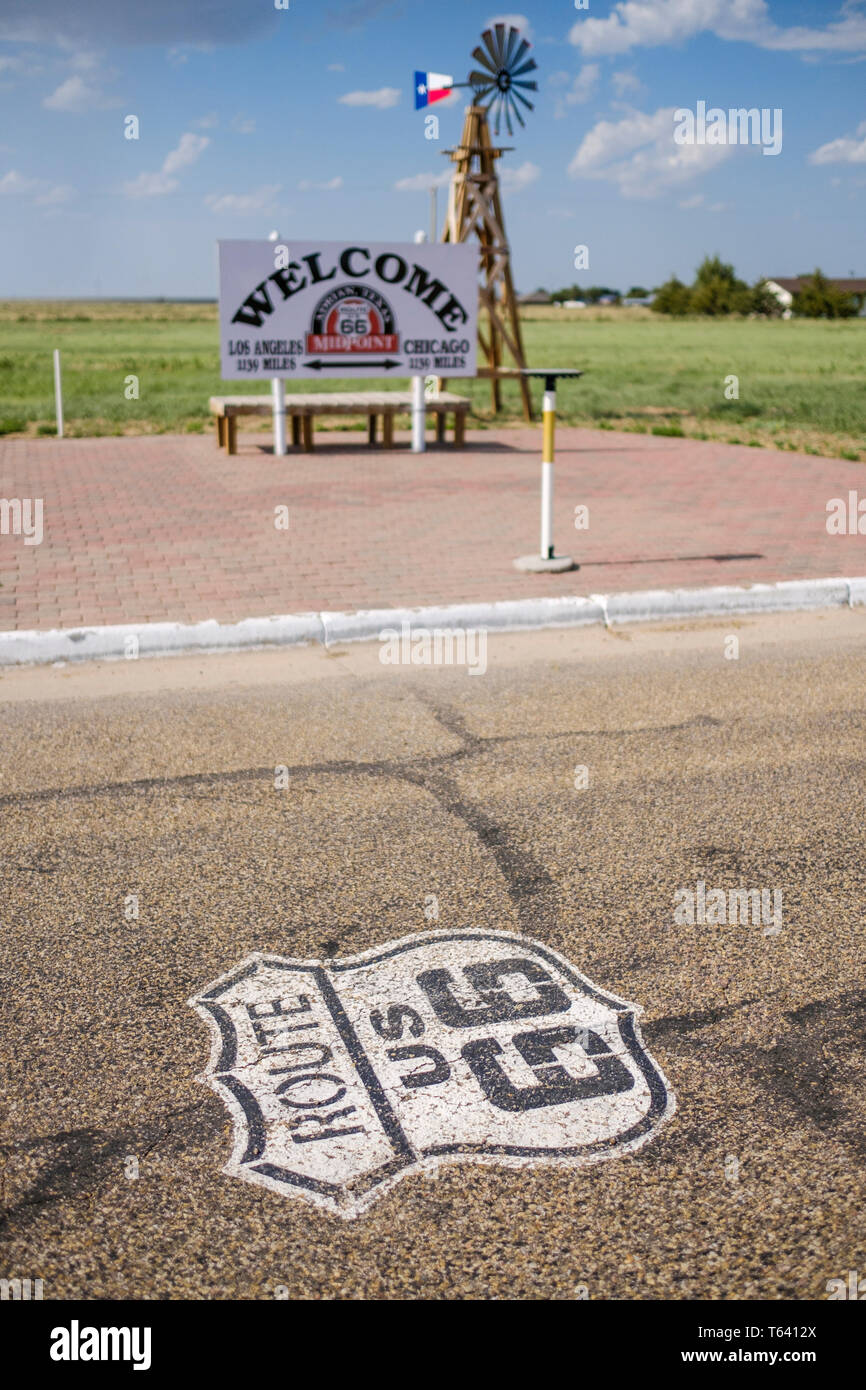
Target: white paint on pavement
{"points": [[345, 1076]]}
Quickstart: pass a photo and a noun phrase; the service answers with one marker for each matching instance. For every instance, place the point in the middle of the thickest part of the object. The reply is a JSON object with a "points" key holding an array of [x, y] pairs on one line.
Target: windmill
{"points": [[499, 85]]}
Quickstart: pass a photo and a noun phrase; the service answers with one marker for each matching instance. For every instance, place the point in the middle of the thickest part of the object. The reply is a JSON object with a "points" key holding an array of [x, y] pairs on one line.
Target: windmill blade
{"points": [[527, 67], [520, 97], [488, 38], [500, 43], [513, 36], [517, 113], [484, 59], [521, 52], [481, 79], [508, 115]]}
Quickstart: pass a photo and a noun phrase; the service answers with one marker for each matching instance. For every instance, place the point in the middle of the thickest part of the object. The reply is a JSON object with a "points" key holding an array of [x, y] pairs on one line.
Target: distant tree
{"points": [[637, 292], [820, 299], [597, 292], [673, 297], [718, 291], [572, 292]]}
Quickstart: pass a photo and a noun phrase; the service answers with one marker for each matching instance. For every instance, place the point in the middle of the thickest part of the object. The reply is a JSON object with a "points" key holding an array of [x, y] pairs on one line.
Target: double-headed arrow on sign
{"points": [[317, 366]]}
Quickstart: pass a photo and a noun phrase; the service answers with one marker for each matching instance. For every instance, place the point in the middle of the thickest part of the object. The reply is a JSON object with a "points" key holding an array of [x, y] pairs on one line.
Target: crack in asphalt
{"points": [[341, 767]]}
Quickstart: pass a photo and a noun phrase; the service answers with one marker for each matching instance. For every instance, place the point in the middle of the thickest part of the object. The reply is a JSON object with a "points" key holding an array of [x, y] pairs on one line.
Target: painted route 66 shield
{"points": [[346, 1075]]}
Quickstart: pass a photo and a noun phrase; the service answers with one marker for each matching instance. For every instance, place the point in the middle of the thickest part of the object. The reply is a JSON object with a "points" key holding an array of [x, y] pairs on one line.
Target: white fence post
{"points": [[58, 393]]}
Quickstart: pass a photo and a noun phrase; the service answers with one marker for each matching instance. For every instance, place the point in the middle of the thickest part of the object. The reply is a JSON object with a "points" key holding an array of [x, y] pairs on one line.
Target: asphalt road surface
{"points": [[150, 787]]}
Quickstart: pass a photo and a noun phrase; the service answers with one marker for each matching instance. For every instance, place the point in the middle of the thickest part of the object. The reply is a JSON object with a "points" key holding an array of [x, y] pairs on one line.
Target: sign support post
{"points": [[419, 412], [278, 391], [419, 416]]}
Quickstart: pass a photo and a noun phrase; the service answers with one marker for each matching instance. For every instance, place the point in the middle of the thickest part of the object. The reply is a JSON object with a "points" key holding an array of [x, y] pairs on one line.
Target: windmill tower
{"points": [[475, 203]]}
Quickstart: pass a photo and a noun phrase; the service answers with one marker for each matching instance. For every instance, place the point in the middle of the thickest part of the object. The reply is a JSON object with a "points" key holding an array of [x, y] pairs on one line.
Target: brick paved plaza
{"points": [[167, 527]]}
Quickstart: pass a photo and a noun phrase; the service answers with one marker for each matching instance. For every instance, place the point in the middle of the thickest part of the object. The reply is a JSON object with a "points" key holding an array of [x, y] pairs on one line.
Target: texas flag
{"points": [[430, 87]]}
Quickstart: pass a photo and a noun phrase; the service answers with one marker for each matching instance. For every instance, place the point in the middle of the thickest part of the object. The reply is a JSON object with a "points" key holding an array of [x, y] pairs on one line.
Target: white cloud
{"points": [[159, 21], [16, 183], [382, 98], [188, 149], [418, 183], [207, 122], [85, 60], [515, 180], [336, 67], [328, 186], [518, 21], [243, 203], [20, 185], [846, 35], [625, 82], [186, 152], [580, 90], [693, 202], [639, 155], [650, 23], [19, 67], [244, 125], [60, 193], [150, 186], [848, 149], [75, 95]]}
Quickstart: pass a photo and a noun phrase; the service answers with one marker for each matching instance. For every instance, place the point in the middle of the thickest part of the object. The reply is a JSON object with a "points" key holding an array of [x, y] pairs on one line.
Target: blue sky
{"points": [[253, 118]]}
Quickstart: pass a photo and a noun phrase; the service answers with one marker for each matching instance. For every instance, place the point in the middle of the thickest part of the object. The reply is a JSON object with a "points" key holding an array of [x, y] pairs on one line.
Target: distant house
{"points": [[784, 287], [572, 304], [538, 297], [642, 303]]}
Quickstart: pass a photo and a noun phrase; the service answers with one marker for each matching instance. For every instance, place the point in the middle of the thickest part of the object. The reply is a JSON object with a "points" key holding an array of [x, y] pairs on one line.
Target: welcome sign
{"points": [[347, 309]]}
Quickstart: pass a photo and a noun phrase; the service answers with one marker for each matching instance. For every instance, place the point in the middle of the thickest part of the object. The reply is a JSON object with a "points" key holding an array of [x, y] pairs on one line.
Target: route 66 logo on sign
{"points": [[346, 1075]]}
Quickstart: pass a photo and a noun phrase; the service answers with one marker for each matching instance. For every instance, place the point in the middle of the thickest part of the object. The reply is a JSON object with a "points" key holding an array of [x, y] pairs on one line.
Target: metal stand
{"points": [[546, 561]]}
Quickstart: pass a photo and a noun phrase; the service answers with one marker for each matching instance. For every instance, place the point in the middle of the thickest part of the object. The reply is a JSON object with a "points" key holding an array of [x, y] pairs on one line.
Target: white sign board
{"points": [[345, 1076], [317, 309]]}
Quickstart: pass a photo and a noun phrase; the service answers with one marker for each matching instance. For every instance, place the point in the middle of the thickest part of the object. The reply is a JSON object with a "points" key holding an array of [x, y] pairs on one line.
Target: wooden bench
{"points": [[303, 409]]}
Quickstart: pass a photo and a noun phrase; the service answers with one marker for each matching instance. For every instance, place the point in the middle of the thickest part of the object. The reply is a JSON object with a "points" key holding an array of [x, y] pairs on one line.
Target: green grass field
{"points": [[801, 383]]}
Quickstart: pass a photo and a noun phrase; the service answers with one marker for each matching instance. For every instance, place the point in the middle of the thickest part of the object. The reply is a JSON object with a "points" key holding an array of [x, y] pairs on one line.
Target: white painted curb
{"points": [[512, 615]]}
